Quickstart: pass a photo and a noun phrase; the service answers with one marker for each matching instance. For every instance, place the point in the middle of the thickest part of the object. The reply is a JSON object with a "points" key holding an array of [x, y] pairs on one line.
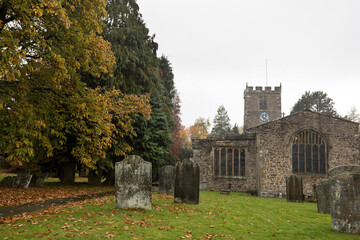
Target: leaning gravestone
{"points": [[345, 199], [322, 192], [166, 179], [133, 183], [294, 189], [187, 182], [21, 180]]}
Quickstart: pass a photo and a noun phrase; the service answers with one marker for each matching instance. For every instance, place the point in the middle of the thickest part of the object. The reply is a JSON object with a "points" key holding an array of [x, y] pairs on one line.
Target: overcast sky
{"points": [[216, 47]]}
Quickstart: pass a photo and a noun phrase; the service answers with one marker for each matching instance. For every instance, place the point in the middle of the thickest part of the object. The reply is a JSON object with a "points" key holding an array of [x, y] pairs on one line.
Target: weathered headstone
{"points": [[343, 169], [345, 199], [39, 179], [95, 176], [187, 181], [166, 179], [21, 180], [322, 193], [8, 181], [294, 189], [133, 183]]}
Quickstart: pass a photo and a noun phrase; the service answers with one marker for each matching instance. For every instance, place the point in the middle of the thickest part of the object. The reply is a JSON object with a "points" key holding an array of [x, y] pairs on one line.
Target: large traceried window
{"points": [[229, 162], [309, 153]]}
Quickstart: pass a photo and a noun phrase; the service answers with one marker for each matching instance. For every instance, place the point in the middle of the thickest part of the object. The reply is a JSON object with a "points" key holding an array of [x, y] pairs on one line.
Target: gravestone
{"points": [[133, 183], [166, 179], [294, 189], [39, 180], [21, 180], [95, 176], [343, 169], [187, 182], [322, 193], [345, 199], [8, 181]]}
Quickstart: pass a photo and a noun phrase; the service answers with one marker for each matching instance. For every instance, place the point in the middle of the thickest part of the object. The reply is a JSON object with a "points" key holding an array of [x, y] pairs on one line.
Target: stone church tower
{"points": [[261, 105]]}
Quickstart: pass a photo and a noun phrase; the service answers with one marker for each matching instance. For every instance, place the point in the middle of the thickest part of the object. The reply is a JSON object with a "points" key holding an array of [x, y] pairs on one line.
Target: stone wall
{"points": [[203, 154], [274, 142]]}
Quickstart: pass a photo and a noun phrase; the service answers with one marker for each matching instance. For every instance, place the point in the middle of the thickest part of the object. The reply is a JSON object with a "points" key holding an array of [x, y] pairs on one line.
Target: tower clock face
{"points": [[264, 116]]}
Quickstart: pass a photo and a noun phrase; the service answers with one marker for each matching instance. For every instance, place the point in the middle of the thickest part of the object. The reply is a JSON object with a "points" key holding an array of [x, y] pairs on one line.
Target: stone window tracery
{"points": [[309, 153], [229, 162]]}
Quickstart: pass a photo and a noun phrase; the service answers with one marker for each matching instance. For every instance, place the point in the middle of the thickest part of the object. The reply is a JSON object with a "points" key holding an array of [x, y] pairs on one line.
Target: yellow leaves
{"points": [[37, 11], [40, 124]]}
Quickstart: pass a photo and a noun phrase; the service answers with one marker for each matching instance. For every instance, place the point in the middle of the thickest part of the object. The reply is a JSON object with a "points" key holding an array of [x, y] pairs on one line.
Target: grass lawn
{"points": [[237, 216]]}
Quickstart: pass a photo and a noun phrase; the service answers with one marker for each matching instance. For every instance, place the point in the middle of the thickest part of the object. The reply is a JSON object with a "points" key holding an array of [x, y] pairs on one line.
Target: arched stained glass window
{"points": [[309, 153]]}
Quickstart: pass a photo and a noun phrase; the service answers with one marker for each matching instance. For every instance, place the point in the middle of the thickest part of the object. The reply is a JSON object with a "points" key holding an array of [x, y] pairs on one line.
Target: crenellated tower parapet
{"points": [[261, 104]]}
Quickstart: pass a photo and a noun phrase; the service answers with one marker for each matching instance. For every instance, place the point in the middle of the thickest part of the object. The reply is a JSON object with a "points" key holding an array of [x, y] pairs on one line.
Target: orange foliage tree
{"points": [[45, 108]]}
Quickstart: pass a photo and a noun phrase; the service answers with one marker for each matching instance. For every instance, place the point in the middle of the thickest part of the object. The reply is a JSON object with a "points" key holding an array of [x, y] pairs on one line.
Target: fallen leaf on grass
{"points": [[110, 234], [188, 235]]}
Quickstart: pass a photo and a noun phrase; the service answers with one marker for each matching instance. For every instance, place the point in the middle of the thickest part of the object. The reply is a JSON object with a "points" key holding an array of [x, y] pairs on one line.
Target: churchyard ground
{"points": [[235, 216]]}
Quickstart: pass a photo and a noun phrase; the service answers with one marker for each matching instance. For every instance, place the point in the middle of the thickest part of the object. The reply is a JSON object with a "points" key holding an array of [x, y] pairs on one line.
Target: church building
{"points": [[273, 147]]}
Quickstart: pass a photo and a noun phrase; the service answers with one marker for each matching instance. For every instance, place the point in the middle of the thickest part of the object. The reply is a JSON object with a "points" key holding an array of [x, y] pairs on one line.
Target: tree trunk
{"points": [[67, 175]]}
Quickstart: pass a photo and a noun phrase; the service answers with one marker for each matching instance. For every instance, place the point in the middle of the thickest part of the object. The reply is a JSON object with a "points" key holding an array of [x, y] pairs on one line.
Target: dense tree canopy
{"points": [[317, 102], [221, 123], [139, 71], [46, 49]]}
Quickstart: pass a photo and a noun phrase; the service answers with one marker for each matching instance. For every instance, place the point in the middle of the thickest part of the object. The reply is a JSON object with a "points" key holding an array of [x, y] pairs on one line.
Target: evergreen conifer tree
{"points": [[221, 123]]}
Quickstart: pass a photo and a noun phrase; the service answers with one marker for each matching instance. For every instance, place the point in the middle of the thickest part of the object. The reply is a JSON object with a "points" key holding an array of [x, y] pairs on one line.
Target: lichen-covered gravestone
{"points": [[187, 182], [322, 192], [294, 189], [167, 179], [133, 183], [345, 199]]}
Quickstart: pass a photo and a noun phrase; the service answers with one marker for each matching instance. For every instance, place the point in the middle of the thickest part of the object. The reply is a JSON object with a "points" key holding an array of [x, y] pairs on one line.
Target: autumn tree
{"points": [[317, 102], [186, 148], [221, 123], [46, 111], [176, 134], [200, 128]]}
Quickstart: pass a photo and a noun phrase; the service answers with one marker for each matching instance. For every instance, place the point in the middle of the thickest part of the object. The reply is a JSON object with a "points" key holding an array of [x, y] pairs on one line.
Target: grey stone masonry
{"points": [[167, 179], [187, 182], [345, 200], [294, 189], [133, 183], [322, 193]]}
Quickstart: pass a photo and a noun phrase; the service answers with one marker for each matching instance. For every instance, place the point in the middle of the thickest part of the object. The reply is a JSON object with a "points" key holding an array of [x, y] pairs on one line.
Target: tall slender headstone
{"points": [[133, 183], [294, 189], [345, 199], [187, 182], [322, 193], [167, 179]]}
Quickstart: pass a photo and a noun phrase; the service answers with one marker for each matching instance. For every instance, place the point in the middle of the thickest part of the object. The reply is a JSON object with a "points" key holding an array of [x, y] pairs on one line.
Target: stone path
{"points": [[19, 209]]}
